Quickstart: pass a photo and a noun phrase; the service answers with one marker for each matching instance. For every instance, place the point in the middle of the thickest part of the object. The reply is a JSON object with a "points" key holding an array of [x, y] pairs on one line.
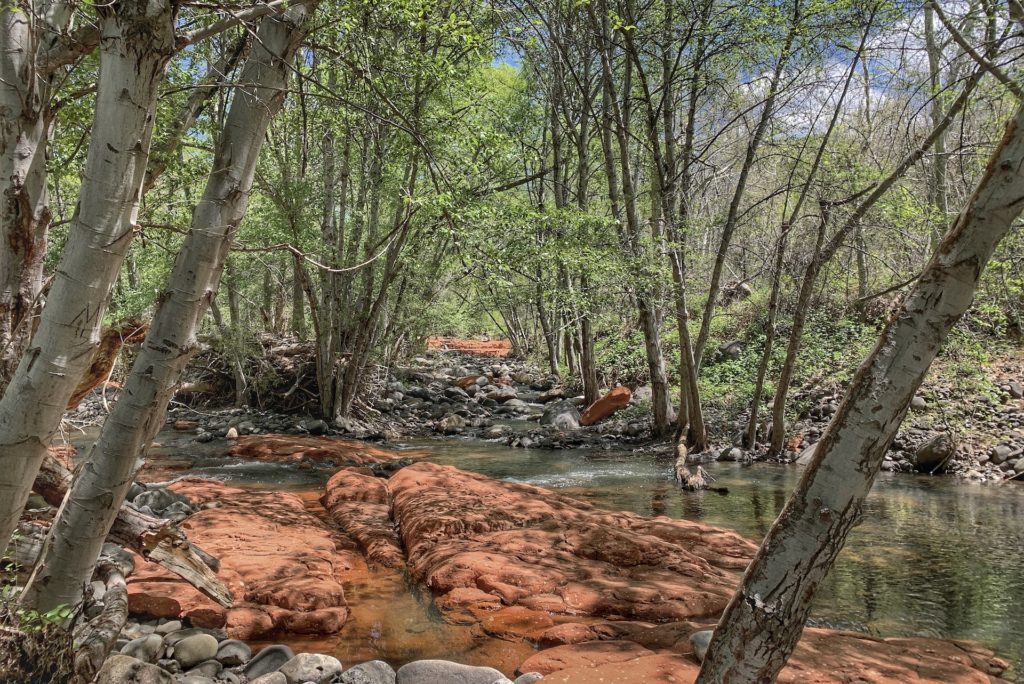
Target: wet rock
{"points": [[268, 660], [451, 424], [146, 648], [563, 416], [611, 402], [194, 649], [700, 642], [311, 667], [232, 653], [290, 449], [934, 454], [123, 669], [731, 454], [372, 672], [436, 671], [532, 548]]}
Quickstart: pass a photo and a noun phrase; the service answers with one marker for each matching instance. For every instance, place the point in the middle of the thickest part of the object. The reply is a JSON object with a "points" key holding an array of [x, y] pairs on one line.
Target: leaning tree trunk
{"points": [[766, 616], [87, 515], [25, 120], [138, 42]]}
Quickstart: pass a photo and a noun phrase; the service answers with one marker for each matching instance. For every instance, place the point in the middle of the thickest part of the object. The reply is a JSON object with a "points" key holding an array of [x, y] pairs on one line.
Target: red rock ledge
{"points": [[612, 597]]}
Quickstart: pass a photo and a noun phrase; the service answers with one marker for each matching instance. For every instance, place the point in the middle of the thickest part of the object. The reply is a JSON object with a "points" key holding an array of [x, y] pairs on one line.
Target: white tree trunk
{"points": [[71, 551], [138, 40], [765, 618], [24, 206]]}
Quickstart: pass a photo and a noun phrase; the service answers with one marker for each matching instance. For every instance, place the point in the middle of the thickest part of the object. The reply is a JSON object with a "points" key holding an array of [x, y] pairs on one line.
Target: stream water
{"points": [[933, 557]]}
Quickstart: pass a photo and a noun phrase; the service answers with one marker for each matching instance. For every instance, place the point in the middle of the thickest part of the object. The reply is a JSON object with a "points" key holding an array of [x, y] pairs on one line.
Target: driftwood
{"points": [[155, 539], [129, 332], [693, 481], [95, 638]]}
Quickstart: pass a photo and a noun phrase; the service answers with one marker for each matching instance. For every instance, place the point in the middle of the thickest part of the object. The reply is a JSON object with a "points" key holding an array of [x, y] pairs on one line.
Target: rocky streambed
{"points": [[397, 558]]}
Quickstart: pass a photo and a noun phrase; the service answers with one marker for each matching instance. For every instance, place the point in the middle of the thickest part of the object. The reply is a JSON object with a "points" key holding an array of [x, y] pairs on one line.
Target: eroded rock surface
{"points": [[283, 565], [535, 549]]}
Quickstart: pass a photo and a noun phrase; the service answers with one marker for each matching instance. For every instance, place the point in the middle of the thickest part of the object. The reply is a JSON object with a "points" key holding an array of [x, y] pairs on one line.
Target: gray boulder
{"points": [[437, 671], [372, 672], [562, 415], [122, 669], [934, 454], [145, 648], [451, 424], [268, 660], [233, 652], [311, 667], [194, 649]]}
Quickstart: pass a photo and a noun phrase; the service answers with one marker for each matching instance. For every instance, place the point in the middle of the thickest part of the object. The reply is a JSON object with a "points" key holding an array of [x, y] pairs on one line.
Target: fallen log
{"points": [[693, 481], [95, 638], [153, 538]]}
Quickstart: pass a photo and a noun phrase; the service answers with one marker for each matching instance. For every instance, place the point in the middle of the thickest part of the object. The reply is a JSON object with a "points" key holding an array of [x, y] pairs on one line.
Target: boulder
{"points": [[372, 672], [194, 649], [268, 660], [232, 653], [270, 678], [611, 402], [311, 667], [551, 395], [562, 415], [451, 424], [933, 455], [437, 671], [123, 669], [146, 648]]}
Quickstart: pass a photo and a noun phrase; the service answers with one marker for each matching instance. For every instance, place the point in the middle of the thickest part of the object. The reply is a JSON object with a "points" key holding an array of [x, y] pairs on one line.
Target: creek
{"points": [[934, 556]]}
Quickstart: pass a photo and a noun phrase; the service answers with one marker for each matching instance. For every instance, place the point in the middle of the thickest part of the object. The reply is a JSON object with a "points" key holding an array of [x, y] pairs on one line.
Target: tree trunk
{"points": [[766, 616], [139, 40], [87, 515], [25, 122]]}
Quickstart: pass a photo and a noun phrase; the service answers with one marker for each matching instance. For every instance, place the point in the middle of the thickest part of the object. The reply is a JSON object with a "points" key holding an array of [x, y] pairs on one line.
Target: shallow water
{"points": [[934, 556]]}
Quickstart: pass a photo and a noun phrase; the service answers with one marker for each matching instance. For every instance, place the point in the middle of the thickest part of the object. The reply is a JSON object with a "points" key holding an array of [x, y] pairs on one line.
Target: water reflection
{"points": [[933, 556]]}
